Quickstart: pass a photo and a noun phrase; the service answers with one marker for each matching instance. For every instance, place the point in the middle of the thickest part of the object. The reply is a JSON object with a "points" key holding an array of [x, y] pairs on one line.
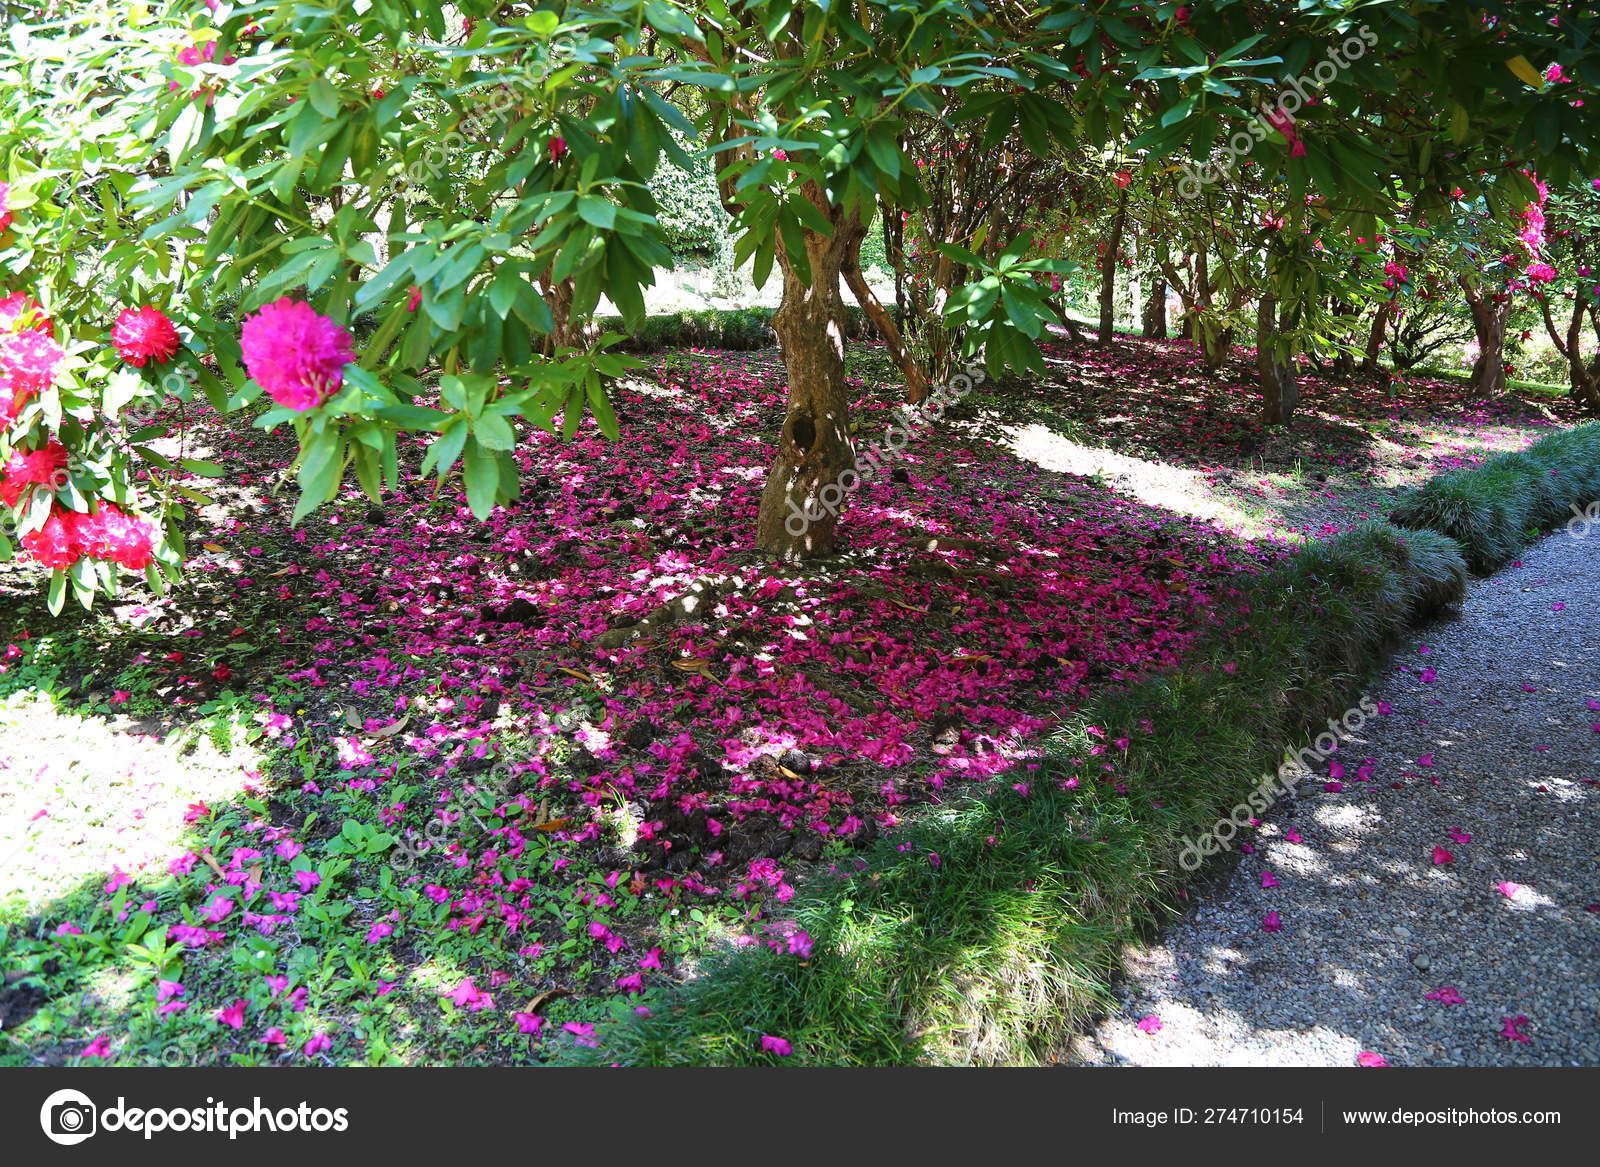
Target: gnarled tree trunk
{"points": [[1583, 376], [1376, 338], [916, 377], [811, 477], [1489, 318]]}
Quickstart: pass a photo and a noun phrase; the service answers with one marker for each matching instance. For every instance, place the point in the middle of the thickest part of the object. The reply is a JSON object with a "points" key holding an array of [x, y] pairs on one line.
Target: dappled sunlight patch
{"points": [[82, 796]]}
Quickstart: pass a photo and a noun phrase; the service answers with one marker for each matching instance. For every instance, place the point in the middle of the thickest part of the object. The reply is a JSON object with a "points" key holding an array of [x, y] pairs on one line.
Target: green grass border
{"points": [[1499, 507], [739, 329]]}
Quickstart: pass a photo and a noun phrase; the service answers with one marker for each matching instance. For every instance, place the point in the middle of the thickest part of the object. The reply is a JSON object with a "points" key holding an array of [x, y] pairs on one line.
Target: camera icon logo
{"points": [[68, 1117]]}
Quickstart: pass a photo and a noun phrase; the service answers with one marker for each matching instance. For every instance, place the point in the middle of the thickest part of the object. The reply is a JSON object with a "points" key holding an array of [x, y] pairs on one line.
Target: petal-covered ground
{"points": [[505, 756]]}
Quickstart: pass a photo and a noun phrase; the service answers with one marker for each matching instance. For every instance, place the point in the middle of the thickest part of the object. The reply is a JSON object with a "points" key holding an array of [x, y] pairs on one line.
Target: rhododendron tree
{"points": [[1568, 299], [365, 221]]}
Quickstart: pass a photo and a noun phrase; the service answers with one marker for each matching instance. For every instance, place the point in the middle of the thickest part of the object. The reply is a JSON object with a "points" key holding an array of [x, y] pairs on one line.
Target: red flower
{"points": [[36, 468], [142, 333], [55, 545], [1122, 178], [415, 301], [113, 535], [195, 54], [558, 149]]}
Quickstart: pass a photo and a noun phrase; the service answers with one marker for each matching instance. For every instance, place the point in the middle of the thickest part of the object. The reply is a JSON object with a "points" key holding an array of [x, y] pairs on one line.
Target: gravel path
{"points": [[1490, 752]]}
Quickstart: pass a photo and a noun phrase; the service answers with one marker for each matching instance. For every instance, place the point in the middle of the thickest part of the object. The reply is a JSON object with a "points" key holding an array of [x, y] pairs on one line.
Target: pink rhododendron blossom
{"points": [[468, 996], [100, 1047], [28, 363], [582, 1032], [29, 468], [776, 1045], [296, 355], [20, 310]]}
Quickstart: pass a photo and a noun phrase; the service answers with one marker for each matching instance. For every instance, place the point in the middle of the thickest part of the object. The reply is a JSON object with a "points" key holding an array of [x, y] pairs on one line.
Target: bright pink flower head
{"points": [[28, 363], [194, 54], [297, 356], [100, 1047], [776, 1045], [558, 149], [19, 304], [5, 207], [141, 334], [1541, 272], [1122, 178]]}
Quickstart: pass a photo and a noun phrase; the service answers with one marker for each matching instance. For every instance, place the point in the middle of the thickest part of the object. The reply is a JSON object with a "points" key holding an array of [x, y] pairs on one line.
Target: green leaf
{"points": [[493, 432], [324, 98], [481, 473], [597, 212], [604, 416]]}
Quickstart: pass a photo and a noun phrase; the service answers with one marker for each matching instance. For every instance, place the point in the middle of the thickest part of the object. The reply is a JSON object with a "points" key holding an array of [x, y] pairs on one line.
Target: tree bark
{"points": [[1155, 310], [566, 333], [1489, 370], [1108, 271], [804, 495], [917, 385], [1280, 389], [1375, 339]]}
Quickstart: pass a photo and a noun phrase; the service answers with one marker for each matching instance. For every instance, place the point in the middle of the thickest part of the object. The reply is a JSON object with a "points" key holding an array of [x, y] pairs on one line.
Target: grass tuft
{"points": [[1498, 508]]}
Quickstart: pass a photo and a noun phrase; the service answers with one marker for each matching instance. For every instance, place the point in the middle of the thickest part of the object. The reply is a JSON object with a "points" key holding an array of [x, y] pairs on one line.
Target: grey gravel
{"points": [[1371, 924]]}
